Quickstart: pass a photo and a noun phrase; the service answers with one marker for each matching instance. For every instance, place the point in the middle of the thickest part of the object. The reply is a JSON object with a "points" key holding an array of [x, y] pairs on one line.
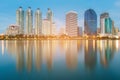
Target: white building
{"points": [[46, 27], [13, 30], [62, 31], [54, 29], [72, 23]]}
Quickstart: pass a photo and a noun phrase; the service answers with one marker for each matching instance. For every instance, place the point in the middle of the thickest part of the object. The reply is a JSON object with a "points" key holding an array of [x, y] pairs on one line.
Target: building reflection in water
{"points": [[90, 52], [32, 53], [38, 54], [107, 50], [71, 54]]}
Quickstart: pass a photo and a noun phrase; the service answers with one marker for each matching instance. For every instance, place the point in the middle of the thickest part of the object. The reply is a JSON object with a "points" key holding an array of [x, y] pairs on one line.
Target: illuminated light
{"points": [[117, 45], [2, 47]]}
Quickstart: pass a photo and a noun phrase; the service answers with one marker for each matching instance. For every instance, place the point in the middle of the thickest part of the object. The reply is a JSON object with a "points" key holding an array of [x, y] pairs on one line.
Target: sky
{"points": [[60, 8]]}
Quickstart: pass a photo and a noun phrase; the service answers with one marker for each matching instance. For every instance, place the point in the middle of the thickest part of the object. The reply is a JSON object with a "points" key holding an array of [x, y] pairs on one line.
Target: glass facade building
{"points": [[102, 22], [20, 19], [50, 18], [90, 22], [108, 25], [38, 22], [29, 21]]}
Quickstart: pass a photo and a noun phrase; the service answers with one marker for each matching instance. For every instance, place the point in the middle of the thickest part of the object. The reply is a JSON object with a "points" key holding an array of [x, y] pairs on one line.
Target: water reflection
{"points": [[90, 53], [107, 50], [31, 54]]}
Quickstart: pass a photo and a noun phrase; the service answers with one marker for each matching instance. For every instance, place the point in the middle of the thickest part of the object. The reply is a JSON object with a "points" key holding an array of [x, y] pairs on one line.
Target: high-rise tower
{"points": [[72, 23], [38, 22], [29, 21], [20, 19], [90, 22], [50, 18]]}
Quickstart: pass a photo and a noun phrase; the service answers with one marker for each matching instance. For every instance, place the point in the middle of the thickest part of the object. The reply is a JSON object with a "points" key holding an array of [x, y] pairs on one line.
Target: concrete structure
{"points": [[20, 19], [72, 23], [38, 22], [50, 18], [102, 22], [46, 27], [13, 30], [54, 29], [29, 21], [62, 31]]}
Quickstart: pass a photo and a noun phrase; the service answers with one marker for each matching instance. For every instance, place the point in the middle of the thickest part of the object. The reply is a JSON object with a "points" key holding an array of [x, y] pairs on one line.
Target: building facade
{"points": [[54, 29], [80, 32], [29, 21], [72, 23], [13, 30], [38, 22], [90, 22], [108, 26], [20, 19], [45, 27], [103, 16], [50, 18]]}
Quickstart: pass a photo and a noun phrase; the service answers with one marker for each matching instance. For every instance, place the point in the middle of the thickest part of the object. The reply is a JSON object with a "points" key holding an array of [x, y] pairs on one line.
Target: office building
{"points": [[20, 19], [103, 16], [90, 22], [50, 18], [38, 22], [29, 21], [72, 23], [46, 27]]}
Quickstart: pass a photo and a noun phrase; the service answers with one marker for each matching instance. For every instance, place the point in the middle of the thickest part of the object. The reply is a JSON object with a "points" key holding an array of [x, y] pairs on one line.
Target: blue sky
{"points": [[59, 8]]}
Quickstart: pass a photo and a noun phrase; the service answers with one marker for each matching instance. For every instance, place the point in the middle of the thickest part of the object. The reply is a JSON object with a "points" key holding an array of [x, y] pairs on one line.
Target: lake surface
{"points": [[60, 60]]}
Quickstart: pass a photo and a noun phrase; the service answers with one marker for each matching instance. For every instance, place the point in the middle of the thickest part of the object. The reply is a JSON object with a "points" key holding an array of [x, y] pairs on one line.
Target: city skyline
{"points": [[59, 11]]}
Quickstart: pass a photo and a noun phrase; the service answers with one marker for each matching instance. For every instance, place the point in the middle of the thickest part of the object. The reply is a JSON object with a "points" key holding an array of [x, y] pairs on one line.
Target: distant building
{"points": [[20, 19], [38, 22], [29, 21], [62, 31], [108, 25], [50, 18], [116, 30], [80, 31], [13, 30], [103, 16], [72, 23], [46, 27], [54, 29], [98, 30], [90, 22]]}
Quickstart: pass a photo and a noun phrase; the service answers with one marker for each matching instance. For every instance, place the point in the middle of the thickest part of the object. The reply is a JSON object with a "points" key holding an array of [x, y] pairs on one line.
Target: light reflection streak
{"points": [[31, 53]]}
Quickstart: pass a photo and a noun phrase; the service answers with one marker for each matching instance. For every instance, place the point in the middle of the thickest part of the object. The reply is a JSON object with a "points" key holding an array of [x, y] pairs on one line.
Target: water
{"points": [[60, 60]]}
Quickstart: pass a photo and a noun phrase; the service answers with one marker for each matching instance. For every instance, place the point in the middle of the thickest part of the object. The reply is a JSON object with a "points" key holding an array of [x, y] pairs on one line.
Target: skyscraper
{"points": [[20, 19], [50, 18], [29, 21], [38, 22], [72, 23], [108, 25], [102, 22], [90, 22]]}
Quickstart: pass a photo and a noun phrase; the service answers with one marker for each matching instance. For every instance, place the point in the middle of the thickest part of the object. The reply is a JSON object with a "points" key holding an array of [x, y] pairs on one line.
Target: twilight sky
{"points": [[59, 8]]}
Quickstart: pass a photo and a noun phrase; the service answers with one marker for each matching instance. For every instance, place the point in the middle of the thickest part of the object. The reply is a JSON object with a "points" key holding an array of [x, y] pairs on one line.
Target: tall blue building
{"points": [[108, 25], [90, 22]]}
